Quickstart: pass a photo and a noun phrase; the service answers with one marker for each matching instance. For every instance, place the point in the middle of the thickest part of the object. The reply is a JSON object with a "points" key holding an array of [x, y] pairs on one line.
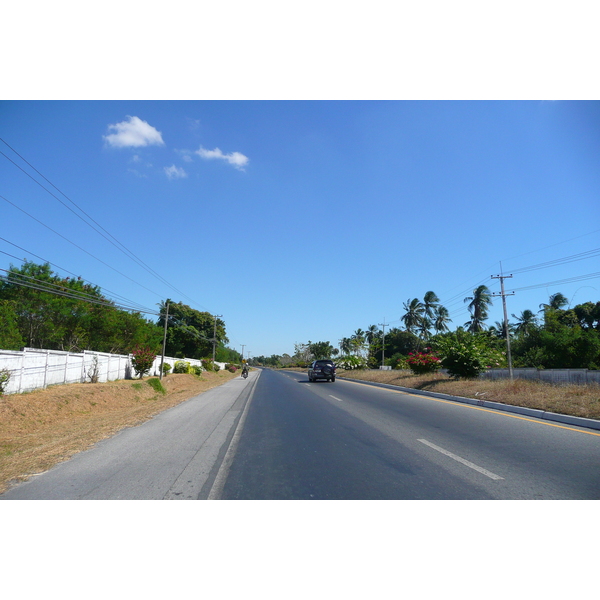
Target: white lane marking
{"points": [[335, 398], [462, 460]]}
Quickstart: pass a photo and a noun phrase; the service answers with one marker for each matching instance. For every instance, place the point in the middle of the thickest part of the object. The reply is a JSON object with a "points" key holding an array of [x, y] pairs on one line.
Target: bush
{"points": [[142, 360], [181, 366], [4, 379], [166, 368], [467, 355], [209, 365], [423, 362], [196, 370], [231, 368], [351, 362]]}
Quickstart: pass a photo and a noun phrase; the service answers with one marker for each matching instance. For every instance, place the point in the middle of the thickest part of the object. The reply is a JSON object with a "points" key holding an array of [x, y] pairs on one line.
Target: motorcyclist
{"points": [[245, 370]]}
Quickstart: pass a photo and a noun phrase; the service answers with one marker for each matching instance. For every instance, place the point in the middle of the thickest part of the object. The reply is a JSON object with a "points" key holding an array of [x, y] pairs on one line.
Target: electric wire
{"points": [[120, 246], [113, 294], [78, 247]]}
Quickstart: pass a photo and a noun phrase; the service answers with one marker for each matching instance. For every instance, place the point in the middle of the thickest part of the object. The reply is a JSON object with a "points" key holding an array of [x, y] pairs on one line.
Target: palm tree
{"points": [[555, 302], [424, 327], [480, 301], [414, 314], [371, 333], [357, 341], [430, 304], [442, 318], [526, 322], [345, 345]]}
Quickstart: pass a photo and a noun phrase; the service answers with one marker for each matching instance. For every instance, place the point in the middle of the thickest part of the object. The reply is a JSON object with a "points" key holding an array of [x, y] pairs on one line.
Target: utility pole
{"points": [[243, 346], [383, 344], [214, 340], [162, 360], [502, 278]]}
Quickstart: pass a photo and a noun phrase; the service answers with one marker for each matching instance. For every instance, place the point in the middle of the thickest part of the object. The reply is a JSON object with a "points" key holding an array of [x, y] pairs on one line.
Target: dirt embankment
{"points": [[575, 400], [42, 428]]}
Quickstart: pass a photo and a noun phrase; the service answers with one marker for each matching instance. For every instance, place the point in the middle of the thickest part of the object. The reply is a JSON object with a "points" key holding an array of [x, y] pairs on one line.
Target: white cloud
{"points": [[174, 172], [133, 133], [238, 160]]}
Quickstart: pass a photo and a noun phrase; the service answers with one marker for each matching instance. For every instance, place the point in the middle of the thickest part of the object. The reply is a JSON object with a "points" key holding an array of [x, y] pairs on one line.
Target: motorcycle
{"points": [[244, 374]]}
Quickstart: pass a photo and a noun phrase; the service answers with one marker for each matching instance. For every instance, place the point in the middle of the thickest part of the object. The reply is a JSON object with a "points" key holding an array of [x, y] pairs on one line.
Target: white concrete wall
{"points": [[32, 369]]}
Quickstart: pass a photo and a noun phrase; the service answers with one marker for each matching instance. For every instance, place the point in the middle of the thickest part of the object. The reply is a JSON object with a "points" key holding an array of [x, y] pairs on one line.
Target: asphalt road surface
{"points": [[346, 440], [174, 456], [277, 436]]}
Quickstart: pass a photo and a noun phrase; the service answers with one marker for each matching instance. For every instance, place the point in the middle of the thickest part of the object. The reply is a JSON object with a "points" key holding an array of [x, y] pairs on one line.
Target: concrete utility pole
{"points": [[162, 360], [243, 346], [384, 324], [502, 278], [214, 340]]}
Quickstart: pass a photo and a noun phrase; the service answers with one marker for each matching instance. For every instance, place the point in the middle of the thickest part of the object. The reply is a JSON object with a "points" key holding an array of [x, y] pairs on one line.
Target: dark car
{"points": [[321, 369]]}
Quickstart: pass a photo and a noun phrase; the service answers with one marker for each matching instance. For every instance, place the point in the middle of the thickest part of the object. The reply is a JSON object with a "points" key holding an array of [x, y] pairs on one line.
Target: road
{"points": [[348, 440], [277, 436], [174, 456]]}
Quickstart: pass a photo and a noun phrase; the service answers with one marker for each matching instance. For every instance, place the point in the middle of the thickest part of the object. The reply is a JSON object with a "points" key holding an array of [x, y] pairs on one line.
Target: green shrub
{"points": [[4, 379], [157, 386], [466, 355], [166, 368], [196, 370], [209, 365], [181, 366]]}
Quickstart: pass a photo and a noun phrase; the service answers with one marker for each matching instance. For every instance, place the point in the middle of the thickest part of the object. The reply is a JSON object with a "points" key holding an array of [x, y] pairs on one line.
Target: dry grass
{"points": [[575, 400], [42, 428]]}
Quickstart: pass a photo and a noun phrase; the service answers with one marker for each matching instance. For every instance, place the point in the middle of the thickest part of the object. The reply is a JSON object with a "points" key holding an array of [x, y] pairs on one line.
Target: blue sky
{"points": [[306, 220]]}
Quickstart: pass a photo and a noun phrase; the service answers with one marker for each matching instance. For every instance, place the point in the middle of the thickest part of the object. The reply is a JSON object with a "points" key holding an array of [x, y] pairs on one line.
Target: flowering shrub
{"points": [[181, 366], [4, 379], [467, 355], [142, 360], [423, 362], [351, 362], [231, 368]]}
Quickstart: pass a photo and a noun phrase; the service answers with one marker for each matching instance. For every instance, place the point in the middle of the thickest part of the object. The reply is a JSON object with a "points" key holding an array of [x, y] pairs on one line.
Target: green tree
{"points": [[478, 307], [526, 322], [190, 332], [441, 319], [414, 314], [10, 338], [321, 350], [430, 304]]}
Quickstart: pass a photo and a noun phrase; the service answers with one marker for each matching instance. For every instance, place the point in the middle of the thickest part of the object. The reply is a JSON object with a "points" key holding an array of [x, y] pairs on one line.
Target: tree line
{"points": [[555, 336], [41, 309]]}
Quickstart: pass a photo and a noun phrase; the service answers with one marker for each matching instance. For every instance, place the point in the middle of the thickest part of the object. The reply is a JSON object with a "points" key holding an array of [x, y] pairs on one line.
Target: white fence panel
{"points": [[32, 368]]}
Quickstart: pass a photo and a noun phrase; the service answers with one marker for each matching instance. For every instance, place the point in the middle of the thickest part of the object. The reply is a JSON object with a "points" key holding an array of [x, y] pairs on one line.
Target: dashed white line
{"points": [[462, 460], [335, 398]]}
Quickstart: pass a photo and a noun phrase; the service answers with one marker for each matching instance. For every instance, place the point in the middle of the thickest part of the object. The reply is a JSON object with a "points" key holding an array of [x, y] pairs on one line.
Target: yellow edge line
{"points": [[489, 410]]}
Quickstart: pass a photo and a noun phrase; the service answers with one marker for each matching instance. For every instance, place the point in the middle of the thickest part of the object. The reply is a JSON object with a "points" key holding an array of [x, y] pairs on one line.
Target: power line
{"points": [[44, 288], [120, 245], [78, 247], [61, 268]]}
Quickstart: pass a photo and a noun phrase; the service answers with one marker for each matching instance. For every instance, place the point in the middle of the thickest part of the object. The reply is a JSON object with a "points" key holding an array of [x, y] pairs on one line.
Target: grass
{"points": [[575, 400], [42, 428]]}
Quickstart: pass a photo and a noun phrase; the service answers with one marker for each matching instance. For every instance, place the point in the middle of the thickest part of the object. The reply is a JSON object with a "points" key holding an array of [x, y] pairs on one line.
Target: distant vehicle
{"points": [[321, 369]]}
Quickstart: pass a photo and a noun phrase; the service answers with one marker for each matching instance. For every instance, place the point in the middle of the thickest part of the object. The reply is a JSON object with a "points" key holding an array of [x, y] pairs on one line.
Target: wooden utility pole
{"points": [[502, 278], [383, 344], [162, 360], [214, 341]]}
